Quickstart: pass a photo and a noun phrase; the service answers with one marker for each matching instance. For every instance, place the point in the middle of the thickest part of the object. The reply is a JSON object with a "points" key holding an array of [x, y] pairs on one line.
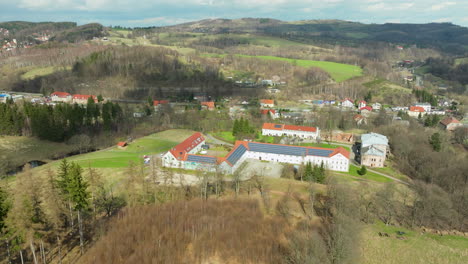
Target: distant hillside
{"points": [[85, 32], [446, 37]]}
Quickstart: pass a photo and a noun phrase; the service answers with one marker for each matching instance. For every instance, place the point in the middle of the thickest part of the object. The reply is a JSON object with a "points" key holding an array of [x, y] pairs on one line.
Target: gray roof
{"points": [[237, 154], [203, 159], [374, 139], [373, 151]]}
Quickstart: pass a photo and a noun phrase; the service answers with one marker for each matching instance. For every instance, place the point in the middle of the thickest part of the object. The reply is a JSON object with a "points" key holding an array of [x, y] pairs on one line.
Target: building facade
{"points": [[374, 149], [278, 130], [184, 156], [83, 98], [61, 97]]}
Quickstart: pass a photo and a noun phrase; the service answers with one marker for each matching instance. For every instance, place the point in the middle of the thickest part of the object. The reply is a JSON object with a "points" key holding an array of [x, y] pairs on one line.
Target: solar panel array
{"points": [[204, 159], [319, 152], [278, 149], [237, 154], [278, 126]]}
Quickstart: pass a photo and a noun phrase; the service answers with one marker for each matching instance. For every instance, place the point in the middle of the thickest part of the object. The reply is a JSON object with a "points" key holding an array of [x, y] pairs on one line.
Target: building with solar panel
{"points": [[279, 130], [185, 156]]}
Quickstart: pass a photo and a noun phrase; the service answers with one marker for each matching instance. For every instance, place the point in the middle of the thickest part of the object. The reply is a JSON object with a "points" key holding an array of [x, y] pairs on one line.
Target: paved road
{"points": [[218, 141]]}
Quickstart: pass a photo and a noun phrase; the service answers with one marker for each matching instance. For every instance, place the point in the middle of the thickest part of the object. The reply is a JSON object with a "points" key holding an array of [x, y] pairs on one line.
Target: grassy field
{"points": [[120, 158], [356, 177], [413, 247], [228, 137], [461, 61], [324, 145], [42, 71], [16, 151], [338, 71]]}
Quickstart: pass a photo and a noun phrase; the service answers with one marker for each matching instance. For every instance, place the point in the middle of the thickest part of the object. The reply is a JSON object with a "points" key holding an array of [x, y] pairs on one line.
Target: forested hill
{"points": [[443, 36], [59, 31]]}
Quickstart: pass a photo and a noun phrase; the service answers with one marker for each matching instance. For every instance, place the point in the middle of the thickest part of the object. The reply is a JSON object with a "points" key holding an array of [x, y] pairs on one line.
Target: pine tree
{"points": [[308, 172], [362, 171], [436, 142], [4, 207], [235, 128]]}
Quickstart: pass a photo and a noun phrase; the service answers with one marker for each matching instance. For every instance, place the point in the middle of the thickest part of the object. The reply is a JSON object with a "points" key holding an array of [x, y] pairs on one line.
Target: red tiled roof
{"points": [[187, 145], [84, 96], [267, 101], [158, 102], [60, 94], [265, 111], [273, 126], [417, 109], [210, 105], [347, 99], [449, 120], [122, 144], [362, 101], [369, 108]]}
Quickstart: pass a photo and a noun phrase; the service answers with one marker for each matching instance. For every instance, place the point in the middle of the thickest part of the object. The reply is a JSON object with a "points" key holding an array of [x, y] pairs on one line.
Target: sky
{"points": [[143, 13]]}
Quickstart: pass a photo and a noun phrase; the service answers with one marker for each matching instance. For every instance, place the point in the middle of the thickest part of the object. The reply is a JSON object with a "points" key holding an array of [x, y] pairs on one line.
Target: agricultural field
{"points": [[411, 247], [338, 71], [42, 71]]}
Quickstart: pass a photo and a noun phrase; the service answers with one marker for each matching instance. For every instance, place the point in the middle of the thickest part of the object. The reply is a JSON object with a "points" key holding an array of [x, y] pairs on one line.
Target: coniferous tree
{"points": [[436, 142]]}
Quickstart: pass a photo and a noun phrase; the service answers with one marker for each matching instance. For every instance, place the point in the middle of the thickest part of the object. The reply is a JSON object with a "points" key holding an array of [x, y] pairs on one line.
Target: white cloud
{"points": [[389, 7], [441, 6]]}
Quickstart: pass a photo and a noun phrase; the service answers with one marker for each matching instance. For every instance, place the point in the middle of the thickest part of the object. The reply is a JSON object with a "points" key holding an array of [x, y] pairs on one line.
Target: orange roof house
{"points": [[418, 109], [60, 94], [450, 123], [122, 144], [267, 103], [209, 105]]}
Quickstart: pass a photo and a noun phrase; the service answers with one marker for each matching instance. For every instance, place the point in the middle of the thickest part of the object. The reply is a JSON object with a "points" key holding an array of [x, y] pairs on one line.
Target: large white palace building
{"points": [[185, 155]]}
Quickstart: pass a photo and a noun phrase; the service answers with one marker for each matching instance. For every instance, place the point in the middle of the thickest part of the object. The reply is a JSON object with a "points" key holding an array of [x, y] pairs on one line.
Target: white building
{"points": [[61, 97], [376, 106], [347, 103], [267, 103], [362, 104], [184, 155], [415, 111], [426, 106], [278, 130]]}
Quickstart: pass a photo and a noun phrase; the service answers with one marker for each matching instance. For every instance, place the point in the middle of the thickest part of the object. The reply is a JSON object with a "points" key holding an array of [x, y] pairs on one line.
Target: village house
{"points": [[347, 103], [267, 103], [83, 98], [278, 130], [450, 123], [366, 110], [376, 106], [185, 155], [360, 120], [270, 112], [362, 104], [374, 149], [208, 105], [426, 106], [416, 111], [157, 104], [61, 97]]}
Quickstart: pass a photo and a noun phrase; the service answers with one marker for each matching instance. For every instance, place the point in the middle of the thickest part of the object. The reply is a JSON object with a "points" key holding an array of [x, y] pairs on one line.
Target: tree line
{"points": [[59, 122]]}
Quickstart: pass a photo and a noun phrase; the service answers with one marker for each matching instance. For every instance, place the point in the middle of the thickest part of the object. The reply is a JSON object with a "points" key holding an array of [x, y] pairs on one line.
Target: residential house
{"points": [[347, 103], [416, 111], [374, 149], [426, 106], [61, 97], [376, 106], [450, 123], [122, 144], [267, 103], [304, 132], [208, 105], [158, 103], [362, 104], [366, 110], [271, 112], [83, 98], [360, 120]]}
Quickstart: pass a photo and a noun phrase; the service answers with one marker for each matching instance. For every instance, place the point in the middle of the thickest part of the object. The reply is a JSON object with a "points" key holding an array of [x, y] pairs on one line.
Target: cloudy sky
{"points": [[168, 12]]}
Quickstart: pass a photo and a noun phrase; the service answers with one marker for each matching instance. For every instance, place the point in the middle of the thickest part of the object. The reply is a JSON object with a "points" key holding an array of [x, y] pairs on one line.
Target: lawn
{"points": [[225, 136], [413, 247], [324, 145], [42, 71], [368, 176], [338, 71], [120, 158]]}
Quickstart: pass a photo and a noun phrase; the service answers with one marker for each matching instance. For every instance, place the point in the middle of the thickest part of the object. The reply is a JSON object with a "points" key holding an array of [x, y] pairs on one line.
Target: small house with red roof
{"points": [[415, 111], [366, 110], [271, 112], [158, 103], [450, 123], [362, 104], [83, 98], [208, 105], [347, 103], [279, 130], [267, 103], [122, 144], [61, 97]]}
